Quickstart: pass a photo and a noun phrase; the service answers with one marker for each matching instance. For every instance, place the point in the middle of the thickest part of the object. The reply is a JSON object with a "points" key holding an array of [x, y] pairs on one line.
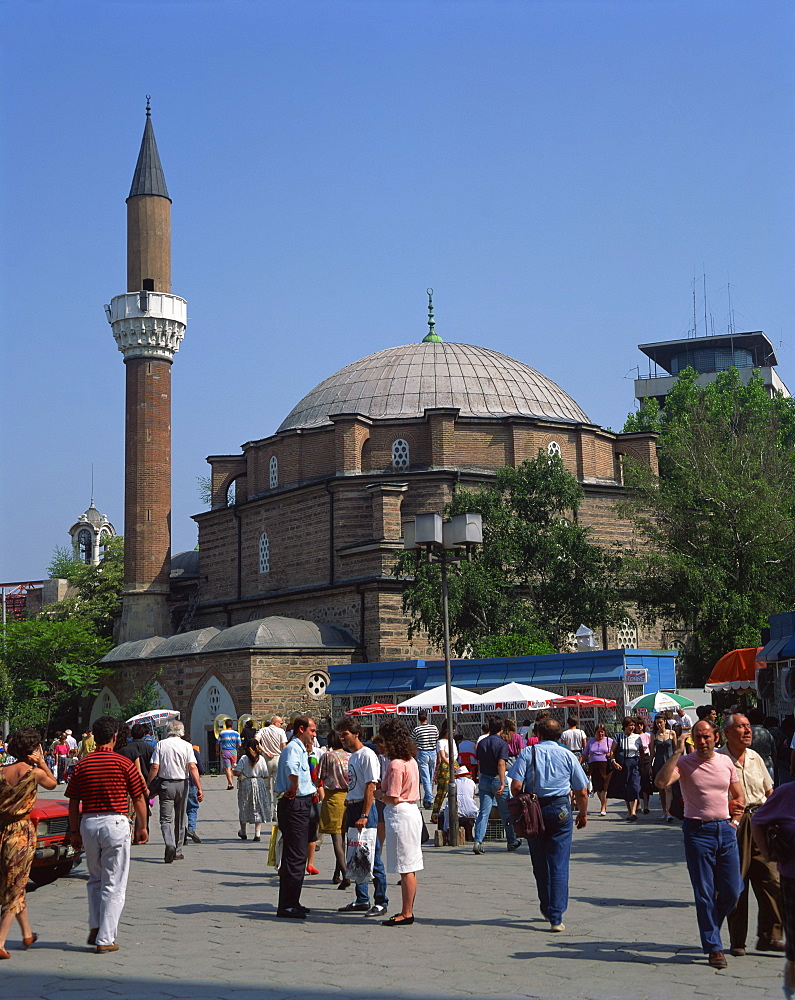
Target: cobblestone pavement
{"points": [[205, 928]]}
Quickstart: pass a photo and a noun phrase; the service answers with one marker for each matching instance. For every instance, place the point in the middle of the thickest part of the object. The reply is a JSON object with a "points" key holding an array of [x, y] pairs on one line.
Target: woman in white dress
{"points": [[253, 800], [400, 791]]}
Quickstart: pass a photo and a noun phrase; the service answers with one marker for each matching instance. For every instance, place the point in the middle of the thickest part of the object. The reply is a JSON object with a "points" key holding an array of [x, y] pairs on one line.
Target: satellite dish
{"points": [[218, 725], [243, 720]]}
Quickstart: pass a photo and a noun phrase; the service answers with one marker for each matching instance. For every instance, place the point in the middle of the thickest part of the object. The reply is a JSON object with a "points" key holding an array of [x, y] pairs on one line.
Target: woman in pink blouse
{"points": [[400, 791]]}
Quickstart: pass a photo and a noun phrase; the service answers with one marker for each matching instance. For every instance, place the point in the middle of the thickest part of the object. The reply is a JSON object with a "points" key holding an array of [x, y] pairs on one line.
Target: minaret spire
{"points": [[432, 337], [148, 324]]}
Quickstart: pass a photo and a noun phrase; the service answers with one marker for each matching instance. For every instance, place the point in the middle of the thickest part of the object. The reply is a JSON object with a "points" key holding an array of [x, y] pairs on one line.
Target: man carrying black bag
{"points": [[552, 773]]}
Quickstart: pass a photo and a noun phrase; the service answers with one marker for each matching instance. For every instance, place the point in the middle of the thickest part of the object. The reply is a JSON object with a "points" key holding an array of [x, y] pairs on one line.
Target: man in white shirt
{"points": [[173, 761], [70, 740], [364, 774], [683, 720], [273, 740], [574, 738]]}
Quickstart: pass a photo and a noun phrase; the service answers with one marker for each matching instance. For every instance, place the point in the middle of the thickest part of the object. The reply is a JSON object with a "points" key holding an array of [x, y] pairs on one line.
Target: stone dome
{"points": [[405, 381]]}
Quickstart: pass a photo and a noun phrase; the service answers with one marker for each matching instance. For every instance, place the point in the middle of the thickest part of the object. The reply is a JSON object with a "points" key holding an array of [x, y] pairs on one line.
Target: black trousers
{"points": [[295, 817]]}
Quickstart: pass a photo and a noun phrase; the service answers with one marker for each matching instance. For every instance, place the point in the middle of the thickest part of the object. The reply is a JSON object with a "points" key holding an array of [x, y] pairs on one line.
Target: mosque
{"points": [[293, 570]]}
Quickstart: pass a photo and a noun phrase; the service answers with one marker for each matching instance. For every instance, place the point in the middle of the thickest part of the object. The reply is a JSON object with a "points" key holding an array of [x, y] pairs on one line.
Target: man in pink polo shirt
{"points": [[713, 796]]}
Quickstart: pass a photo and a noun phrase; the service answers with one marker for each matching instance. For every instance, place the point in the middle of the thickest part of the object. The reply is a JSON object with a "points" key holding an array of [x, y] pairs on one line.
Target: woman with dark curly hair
{"points": [[400, 790], [19, 784]]}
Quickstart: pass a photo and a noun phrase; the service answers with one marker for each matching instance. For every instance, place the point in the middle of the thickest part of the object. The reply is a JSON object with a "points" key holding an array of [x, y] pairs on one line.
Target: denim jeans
{"points": [[713, 863], [353, 811], [550, 858], [426, 762], [487, 792], [193, 806]]}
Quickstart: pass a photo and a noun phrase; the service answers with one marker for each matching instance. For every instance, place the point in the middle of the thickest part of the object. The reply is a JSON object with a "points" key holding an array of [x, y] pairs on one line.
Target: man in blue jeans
{"points": [[364, 774], [553, 773], [492, 754], [426, 736], [714, 799]]}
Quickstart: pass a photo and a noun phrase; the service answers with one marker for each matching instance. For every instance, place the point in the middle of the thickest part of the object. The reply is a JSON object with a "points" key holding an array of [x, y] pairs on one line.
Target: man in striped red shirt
{"points": [[100, 783]]}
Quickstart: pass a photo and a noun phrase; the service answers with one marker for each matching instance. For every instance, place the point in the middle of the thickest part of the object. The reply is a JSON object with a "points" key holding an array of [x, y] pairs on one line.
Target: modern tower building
{"points": [[148, 324], [747, 352]]}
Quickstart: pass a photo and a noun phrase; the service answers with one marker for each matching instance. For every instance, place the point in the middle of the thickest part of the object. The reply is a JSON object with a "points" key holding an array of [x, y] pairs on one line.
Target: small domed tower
{"points": [[90, 533], [148, 324]]}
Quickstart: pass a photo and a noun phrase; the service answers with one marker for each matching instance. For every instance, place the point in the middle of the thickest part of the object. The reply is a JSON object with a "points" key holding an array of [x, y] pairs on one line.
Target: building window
{"points": [[316, 684], [264, 553], [231, 494], [273, 472], [84, 545], [553, 449], [627, 635], [107, 704], [400, 454]]}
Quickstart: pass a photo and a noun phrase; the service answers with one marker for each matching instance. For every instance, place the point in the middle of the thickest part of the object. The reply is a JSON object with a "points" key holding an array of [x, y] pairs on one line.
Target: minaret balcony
{"points": [[148, 324]]}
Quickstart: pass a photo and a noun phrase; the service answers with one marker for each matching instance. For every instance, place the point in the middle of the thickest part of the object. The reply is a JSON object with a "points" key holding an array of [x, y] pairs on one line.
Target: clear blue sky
{"points": [[557, 171]]}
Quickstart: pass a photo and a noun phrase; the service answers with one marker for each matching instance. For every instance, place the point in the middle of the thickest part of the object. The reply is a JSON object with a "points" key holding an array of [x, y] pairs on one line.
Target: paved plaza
{"points": [[205, 928]]}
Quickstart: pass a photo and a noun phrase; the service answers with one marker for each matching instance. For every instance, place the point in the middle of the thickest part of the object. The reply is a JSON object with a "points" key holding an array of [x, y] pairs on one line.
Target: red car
{"points": [[54, 855]]}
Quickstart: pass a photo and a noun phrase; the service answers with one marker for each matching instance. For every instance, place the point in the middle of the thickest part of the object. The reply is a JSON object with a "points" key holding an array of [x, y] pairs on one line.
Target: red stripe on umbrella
{"points": [[375, 709]]}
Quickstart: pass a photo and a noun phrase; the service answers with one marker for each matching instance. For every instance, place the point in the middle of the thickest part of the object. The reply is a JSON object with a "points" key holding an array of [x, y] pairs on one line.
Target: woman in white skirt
{"points": [[253, 799], [400, 791]]}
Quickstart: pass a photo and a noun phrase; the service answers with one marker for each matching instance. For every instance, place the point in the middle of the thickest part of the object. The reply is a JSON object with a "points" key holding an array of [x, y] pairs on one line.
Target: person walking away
{"points": [[492, 753], [364, 774], [192, 809], [756, 872], [332, 775], [426, 736], [444, 768], [97, 793], [763, 741], [229, 743], [574, 738], [553, 773], [253, 802], [174, 762], [708, 781], [273, 740], [295, 793], [400, 793], [19, 785]]}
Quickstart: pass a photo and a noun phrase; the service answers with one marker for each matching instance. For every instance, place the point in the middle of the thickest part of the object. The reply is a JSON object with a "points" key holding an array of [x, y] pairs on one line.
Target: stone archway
{"points": [[213, 699], [105, 703]]}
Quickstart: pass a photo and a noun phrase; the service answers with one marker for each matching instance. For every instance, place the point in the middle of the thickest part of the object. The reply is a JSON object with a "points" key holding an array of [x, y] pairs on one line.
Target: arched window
{"points": [[273, 472], [553, 449], [264, 553], [400, 454], [85, 545], [230, 494]]}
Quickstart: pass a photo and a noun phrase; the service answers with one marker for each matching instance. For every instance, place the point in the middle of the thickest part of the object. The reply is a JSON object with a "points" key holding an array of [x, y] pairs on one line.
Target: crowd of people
{"points": [[368, 796]]}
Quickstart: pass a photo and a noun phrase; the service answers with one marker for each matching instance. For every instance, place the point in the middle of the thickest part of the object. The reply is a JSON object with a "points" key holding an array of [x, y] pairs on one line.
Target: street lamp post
{"points": [[446, 542]]}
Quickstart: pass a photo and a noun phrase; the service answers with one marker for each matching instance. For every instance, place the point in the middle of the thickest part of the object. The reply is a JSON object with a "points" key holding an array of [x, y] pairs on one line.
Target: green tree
{"points": [[49, 663], [143, 699], [536, 577], [99, 588], [717, 526]]}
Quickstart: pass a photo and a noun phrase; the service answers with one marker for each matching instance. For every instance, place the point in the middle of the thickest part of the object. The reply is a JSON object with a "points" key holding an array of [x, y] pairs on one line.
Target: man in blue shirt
{"points": [[295, 813], [552, 772], [492, 754], [229, 743]]}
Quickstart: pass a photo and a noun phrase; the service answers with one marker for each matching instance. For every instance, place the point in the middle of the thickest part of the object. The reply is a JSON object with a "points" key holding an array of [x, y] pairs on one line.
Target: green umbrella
{"points": [[659, 701]]}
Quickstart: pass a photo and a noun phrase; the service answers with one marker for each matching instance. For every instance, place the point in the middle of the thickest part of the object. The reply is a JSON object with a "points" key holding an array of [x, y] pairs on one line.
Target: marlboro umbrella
{"points": [[582, 701], [516, 697], [375, 709], [435, 701]]}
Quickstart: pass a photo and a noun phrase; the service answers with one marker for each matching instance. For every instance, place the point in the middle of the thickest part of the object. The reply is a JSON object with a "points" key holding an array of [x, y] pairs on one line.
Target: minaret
{"points": [[148, 324]]}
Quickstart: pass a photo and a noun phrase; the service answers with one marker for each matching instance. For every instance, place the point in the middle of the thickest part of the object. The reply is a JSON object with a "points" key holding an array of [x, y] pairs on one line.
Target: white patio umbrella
{"points": [[435, 700], [158, 717], [515, 697]]}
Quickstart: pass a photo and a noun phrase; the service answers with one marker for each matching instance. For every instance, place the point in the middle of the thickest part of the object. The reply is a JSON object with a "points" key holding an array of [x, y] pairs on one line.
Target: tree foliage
{"points": [[48, 663], [536, 577], [718, 524], [144, 699], [98, 588]]}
